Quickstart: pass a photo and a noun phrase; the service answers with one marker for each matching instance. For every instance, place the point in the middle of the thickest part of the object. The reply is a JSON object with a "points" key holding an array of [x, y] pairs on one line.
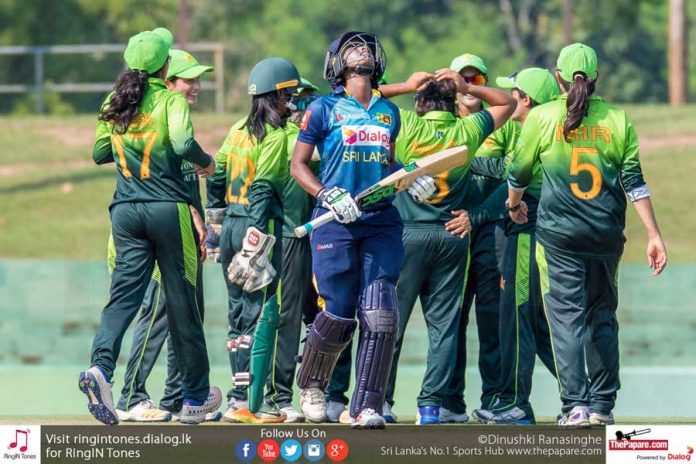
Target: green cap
{"points": [[538, 83], [575, 58], [467, 59], [146, 51], [306, 85], [166, 35], [184, 65], [272, 74]]}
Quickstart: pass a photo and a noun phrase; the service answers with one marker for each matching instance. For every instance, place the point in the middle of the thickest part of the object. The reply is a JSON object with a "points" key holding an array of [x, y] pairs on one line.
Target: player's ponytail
{"points": [[578, 102], [125, 101], [264, 110]]}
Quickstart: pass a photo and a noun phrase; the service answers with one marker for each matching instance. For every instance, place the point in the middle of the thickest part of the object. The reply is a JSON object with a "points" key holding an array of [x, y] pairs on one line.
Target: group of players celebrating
{"points": [[529, 228]]}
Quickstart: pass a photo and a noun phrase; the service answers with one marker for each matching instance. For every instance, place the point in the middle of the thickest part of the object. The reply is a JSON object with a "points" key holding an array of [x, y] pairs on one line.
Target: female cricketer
{"points": [[356, 259], [249, 179], [151, 330], [435, 260], [588, 151], [146, 130]]}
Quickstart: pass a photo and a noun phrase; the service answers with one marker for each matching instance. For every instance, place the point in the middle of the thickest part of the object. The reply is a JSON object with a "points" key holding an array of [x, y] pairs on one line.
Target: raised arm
{"points": [[413, 84]]}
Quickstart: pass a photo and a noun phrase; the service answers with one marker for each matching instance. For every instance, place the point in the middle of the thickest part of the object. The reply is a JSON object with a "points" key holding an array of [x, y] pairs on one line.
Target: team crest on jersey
{"points": [[439, 134], [365, 135], [305, 120], [384, 118]]}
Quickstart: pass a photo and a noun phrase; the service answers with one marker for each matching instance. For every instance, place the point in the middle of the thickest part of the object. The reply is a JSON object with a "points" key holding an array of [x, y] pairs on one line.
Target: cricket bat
{"points": [[402, 179]]}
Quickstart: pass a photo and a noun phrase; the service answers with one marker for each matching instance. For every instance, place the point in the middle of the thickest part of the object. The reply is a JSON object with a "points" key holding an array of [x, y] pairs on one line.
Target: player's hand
{"points": [[460, 225], [250, 268], [200, 230], [338, 201], [521, 215], [206, 172], [418, 81], [422, 188], [657, 255], [446, 73]]}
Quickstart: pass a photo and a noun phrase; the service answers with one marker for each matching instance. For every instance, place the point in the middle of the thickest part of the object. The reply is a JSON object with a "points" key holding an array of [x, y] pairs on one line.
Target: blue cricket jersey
{"points": [[353, 142]]}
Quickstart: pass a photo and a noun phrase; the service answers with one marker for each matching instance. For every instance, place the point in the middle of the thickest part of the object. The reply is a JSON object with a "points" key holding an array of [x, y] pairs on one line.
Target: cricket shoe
{"points": [[578, 417], [514, 416], [388, 414], [601, 419], [482, 415], [232, 405], [210, 417], [368, 419], [95, 385], [450, 417], [428, 415], [245, 416], [313, 404], [345, 418], [145, 411], [292, 415], [193, 413], [334, 409]]}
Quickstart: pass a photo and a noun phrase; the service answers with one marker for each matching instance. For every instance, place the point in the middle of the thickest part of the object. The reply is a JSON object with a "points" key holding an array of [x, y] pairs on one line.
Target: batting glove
{"points": [[422, 188], [338, 201], [251, 268]]}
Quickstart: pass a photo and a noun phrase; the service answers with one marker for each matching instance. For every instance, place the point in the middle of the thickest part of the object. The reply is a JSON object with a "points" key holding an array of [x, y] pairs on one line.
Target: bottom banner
{"points": [[300, 443]]}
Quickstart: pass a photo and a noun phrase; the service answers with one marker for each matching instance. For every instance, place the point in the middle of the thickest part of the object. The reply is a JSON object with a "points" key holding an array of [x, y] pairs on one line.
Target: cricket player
{"points": [[588, 151], [145, 128], [356, 259], [298, 298], [152, 328], [248, 182], [435, 260], [523, 328], [484, 221]]}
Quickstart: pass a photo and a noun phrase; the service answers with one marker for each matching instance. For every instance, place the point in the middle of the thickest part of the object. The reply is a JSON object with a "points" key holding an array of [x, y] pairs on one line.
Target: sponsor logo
{"points": [[253, 239], [305, 120], [21, 444], [384, 118], [337, 450], [324, 246], [314, 450], [269, 450], [246, 450], [365, 136], [638, 445], [378, 195], [410, 167], [291, 450], [439, 134], [339, 117]]}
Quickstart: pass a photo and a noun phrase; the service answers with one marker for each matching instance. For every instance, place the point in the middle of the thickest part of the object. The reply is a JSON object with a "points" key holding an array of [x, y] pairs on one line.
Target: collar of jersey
{"points": [[342, 90], [156, 82], [439, 116]]}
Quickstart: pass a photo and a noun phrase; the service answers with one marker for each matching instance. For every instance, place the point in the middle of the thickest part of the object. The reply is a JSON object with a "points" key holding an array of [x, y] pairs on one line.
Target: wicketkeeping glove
{"points": [[213, 219], [250, 268], [422, 188], [338, 201]]}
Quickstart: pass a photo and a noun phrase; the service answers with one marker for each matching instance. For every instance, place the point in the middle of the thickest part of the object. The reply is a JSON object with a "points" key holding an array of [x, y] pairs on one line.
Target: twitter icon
{"points": [[291, 450]]}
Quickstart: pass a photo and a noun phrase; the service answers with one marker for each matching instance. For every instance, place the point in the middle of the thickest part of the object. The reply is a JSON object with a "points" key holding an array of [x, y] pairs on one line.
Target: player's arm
{"points": [[637, 191], [521, 169], [216, 185], [300, 170], [181, 135], [415, 83], [268, 178], [502, 104], [102, 151]]}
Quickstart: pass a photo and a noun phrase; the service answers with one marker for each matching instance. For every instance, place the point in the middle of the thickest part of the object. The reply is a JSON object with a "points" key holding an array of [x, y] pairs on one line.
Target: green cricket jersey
{"points": [[152, 153], [249, 176], [433, 132], [297, 203], [582, 208]]}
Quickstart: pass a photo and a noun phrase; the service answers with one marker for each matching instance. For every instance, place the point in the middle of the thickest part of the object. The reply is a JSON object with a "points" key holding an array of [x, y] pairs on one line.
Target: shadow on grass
{"points": [[73, 178]]}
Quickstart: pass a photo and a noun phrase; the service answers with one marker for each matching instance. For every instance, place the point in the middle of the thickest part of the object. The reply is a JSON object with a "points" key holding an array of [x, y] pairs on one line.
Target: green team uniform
{"points": [[435, 260], [487, 244], [248, 181], [580, 224], [151, 223], [298, 299]]}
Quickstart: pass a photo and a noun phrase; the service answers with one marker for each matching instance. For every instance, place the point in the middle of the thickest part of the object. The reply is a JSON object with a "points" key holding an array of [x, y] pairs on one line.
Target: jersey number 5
{"points": [[576, 167]]}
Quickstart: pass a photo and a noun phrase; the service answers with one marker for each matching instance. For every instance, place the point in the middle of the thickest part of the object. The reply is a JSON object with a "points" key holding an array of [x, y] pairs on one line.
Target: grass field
{"points": [[55, 200]]}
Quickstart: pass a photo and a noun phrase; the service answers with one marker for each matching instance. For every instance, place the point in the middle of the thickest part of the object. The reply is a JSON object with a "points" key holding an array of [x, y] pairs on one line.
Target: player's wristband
{"points": [[513, 209]]}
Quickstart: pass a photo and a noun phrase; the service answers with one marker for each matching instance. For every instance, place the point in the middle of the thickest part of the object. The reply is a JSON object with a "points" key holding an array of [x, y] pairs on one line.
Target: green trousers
{"points": [[145, 233], [581, 296], [298, 302], [433, 270], [243, 309], [524, 332], [483, 288]]}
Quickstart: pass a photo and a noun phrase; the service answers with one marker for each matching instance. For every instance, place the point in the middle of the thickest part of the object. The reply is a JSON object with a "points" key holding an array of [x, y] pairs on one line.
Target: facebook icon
{"points": [[246, 450]]}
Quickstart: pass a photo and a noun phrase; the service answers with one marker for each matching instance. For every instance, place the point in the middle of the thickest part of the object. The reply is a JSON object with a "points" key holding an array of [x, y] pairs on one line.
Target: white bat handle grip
{"points": [[315, 223]]}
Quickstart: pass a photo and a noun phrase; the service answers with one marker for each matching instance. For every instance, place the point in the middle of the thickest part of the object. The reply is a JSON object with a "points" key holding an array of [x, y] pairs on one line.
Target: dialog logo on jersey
{"points": [[365, 136]]}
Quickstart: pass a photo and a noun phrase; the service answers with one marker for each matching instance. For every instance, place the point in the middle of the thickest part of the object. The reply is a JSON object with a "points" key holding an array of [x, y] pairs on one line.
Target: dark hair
{"points": [[437, 96], [524, 94], [125, 101], [578, 102], [264, 109]]}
